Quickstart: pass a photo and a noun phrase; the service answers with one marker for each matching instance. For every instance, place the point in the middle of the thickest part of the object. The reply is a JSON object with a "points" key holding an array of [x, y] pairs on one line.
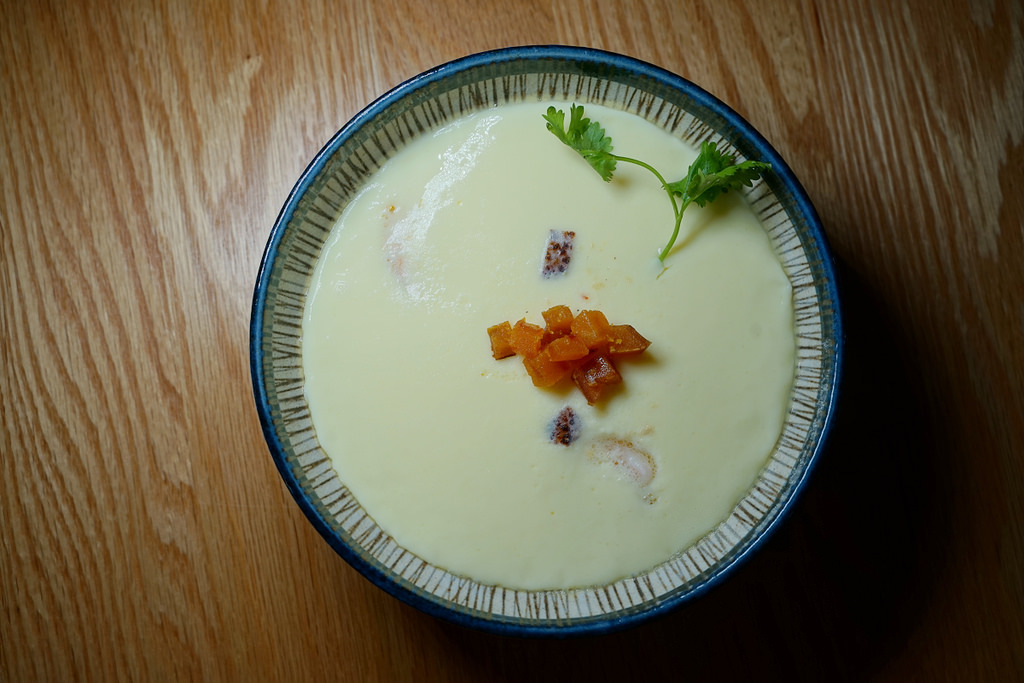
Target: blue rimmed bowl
{"points": [[338, 172]]}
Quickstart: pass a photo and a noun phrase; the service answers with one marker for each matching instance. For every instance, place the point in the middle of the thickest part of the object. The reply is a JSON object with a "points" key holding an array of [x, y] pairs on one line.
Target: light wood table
{"points": [[146, 149]]}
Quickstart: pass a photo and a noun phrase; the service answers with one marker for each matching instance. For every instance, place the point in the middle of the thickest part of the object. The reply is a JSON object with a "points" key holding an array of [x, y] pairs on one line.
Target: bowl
{"points": [[336, 175]]}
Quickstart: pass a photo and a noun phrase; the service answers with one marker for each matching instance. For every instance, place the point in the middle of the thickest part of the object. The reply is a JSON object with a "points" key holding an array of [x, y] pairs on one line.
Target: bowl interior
{"points": [[422, 104]]}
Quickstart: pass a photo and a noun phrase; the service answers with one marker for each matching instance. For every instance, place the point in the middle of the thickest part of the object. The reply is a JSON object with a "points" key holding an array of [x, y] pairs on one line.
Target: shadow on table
{"points": [[838, 588]]}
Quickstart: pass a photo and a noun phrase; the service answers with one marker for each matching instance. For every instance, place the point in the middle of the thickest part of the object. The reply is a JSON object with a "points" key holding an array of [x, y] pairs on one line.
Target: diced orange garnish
{"points": [[579, 346], [544, 371], [596, 374], [566, 348], [526, 338], [501, 340], [625, 339], [591, 328], [558, 320]]}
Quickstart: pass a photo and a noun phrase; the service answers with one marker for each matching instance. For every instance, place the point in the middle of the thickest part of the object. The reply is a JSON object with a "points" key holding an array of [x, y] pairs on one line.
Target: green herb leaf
{"points": [[585, 136], [712, 174]]}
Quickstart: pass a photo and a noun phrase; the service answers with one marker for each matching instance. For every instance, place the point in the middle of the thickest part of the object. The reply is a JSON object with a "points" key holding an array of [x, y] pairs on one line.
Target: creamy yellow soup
{"points": [[449, 450]]}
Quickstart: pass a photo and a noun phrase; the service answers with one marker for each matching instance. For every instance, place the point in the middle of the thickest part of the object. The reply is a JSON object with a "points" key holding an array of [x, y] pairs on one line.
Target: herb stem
{"points": [[675, 231], [676, 209]]}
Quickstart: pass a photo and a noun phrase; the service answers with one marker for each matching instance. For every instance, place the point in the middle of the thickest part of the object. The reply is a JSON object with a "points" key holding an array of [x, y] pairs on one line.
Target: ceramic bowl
{"points": [[337, 172]]}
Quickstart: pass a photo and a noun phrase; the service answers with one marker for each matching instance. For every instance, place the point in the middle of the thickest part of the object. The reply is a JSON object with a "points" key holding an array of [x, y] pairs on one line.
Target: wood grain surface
{"points": [[146, 149]]}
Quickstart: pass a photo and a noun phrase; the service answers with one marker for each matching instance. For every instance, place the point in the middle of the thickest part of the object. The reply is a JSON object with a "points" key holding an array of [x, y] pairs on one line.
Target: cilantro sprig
{"points": [[712, 173]]}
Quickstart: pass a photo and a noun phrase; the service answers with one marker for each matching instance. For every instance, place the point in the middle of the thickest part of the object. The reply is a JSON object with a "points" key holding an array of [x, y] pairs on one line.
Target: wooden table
{"points": [[146, 150]]}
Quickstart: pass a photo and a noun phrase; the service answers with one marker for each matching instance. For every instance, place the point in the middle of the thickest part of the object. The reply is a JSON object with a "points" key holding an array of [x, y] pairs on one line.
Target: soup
{"points": [[451, 451]]}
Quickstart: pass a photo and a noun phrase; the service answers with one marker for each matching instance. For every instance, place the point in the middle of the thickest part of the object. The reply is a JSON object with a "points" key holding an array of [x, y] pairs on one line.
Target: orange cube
{"points": [[591, 328], [625, 339], [526, 338], [501, 340], [544, 371], [566, 348], [558, 320], [596, 374]]}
